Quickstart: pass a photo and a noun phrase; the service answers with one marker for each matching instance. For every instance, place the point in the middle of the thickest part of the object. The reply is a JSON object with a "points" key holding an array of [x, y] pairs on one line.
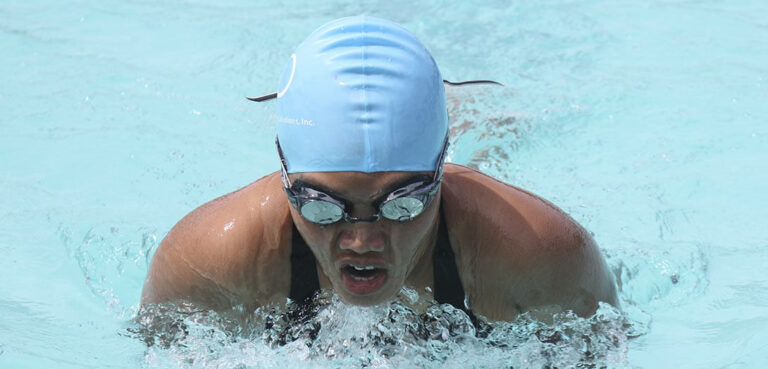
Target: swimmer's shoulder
{"points": [[227, 251], [513, 241], [502, 212]]}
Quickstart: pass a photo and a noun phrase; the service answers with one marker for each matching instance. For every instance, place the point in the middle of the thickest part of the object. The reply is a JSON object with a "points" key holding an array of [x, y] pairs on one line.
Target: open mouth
{"points": [[363, 280]]}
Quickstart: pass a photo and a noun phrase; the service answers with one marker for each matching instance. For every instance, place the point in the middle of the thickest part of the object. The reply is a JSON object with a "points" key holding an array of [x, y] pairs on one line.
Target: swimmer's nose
{"points": [[361, 239]]}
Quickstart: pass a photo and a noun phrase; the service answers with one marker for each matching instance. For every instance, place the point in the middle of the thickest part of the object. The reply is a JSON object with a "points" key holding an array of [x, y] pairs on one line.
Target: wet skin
{"points": [[515, 252]]}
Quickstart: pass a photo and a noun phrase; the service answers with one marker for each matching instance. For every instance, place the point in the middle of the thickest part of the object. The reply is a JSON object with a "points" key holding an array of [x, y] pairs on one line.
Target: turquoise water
{"points": [[644, 120]]}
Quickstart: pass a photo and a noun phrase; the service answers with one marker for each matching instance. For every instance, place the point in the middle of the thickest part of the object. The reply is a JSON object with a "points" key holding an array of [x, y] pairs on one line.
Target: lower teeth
{"points": [[362, 278]]}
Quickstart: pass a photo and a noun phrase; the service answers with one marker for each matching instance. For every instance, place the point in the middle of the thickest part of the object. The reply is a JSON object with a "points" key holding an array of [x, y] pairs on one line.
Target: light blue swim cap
{"points": [[361, 94]]}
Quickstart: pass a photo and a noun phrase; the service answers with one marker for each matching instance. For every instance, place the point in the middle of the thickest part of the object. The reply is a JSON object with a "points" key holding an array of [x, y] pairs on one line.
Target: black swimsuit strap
{"points": [[304, 282], [447, 283]]}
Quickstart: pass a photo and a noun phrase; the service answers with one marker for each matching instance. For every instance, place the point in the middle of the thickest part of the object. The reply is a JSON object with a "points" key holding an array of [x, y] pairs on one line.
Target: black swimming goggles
{"points": [[400, 205]]}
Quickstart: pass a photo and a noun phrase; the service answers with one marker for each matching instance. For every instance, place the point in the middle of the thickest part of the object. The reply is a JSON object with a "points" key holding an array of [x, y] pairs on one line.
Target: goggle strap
{"points": [[276, 95], [441, 161], [283, 170]]}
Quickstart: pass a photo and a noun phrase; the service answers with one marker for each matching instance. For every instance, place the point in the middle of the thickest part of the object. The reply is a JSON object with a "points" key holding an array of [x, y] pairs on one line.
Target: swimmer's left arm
{"points": [[566, 273], [521, 253], [579, 278]]}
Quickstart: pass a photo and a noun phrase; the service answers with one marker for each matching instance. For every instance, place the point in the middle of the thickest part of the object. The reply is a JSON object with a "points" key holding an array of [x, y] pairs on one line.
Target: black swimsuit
{"points": [[447, 285]]}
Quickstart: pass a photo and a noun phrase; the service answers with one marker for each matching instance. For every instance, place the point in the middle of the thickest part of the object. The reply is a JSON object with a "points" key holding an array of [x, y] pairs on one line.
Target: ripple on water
{"points": [[114, 260], [652, 275], [478, 114]]}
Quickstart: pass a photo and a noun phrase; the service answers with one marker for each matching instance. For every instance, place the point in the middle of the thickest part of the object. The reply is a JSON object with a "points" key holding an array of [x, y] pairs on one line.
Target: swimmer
{"points": [[364, 203]]}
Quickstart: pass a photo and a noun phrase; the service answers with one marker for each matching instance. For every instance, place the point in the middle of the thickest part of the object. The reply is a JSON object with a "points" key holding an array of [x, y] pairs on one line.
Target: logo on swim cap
{"points": [[373, 95], [290, 78]]}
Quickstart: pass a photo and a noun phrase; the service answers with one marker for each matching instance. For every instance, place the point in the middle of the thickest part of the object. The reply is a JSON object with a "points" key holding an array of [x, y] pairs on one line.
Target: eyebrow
{"points": [[406, 180], [303, 183]]}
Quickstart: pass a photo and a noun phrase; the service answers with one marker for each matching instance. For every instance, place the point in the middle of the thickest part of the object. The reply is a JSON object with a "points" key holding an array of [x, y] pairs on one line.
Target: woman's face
{"points": [[367, 263]]}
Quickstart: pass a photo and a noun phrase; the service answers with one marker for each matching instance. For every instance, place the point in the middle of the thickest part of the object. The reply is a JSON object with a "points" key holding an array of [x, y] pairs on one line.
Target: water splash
{"points": [[336, 335]]}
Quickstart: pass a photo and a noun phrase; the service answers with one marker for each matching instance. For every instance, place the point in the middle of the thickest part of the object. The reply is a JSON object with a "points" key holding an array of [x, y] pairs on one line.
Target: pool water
{"points": [[644, 120]]}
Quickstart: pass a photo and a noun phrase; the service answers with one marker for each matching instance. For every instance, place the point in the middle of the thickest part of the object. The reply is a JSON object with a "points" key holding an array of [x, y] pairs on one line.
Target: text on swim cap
{"points": [[294, 121]]}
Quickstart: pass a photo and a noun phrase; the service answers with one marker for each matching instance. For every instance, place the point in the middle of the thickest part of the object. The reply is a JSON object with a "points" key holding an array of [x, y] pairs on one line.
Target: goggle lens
{"points": [[402, 209], [322, 212]]}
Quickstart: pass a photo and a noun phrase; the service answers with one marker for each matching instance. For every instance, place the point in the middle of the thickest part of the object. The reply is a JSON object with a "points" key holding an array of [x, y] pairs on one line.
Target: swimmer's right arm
{"points": [[178, 279], [223, 253]]}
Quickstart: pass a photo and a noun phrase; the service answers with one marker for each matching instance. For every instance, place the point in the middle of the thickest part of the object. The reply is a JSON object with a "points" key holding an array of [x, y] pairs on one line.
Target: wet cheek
{"points": [[312, 234]]}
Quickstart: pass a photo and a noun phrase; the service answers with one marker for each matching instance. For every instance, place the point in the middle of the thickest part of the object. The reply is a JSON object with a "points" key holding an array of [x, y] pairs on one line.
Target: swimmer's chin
{"points": [[382, 296]]}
